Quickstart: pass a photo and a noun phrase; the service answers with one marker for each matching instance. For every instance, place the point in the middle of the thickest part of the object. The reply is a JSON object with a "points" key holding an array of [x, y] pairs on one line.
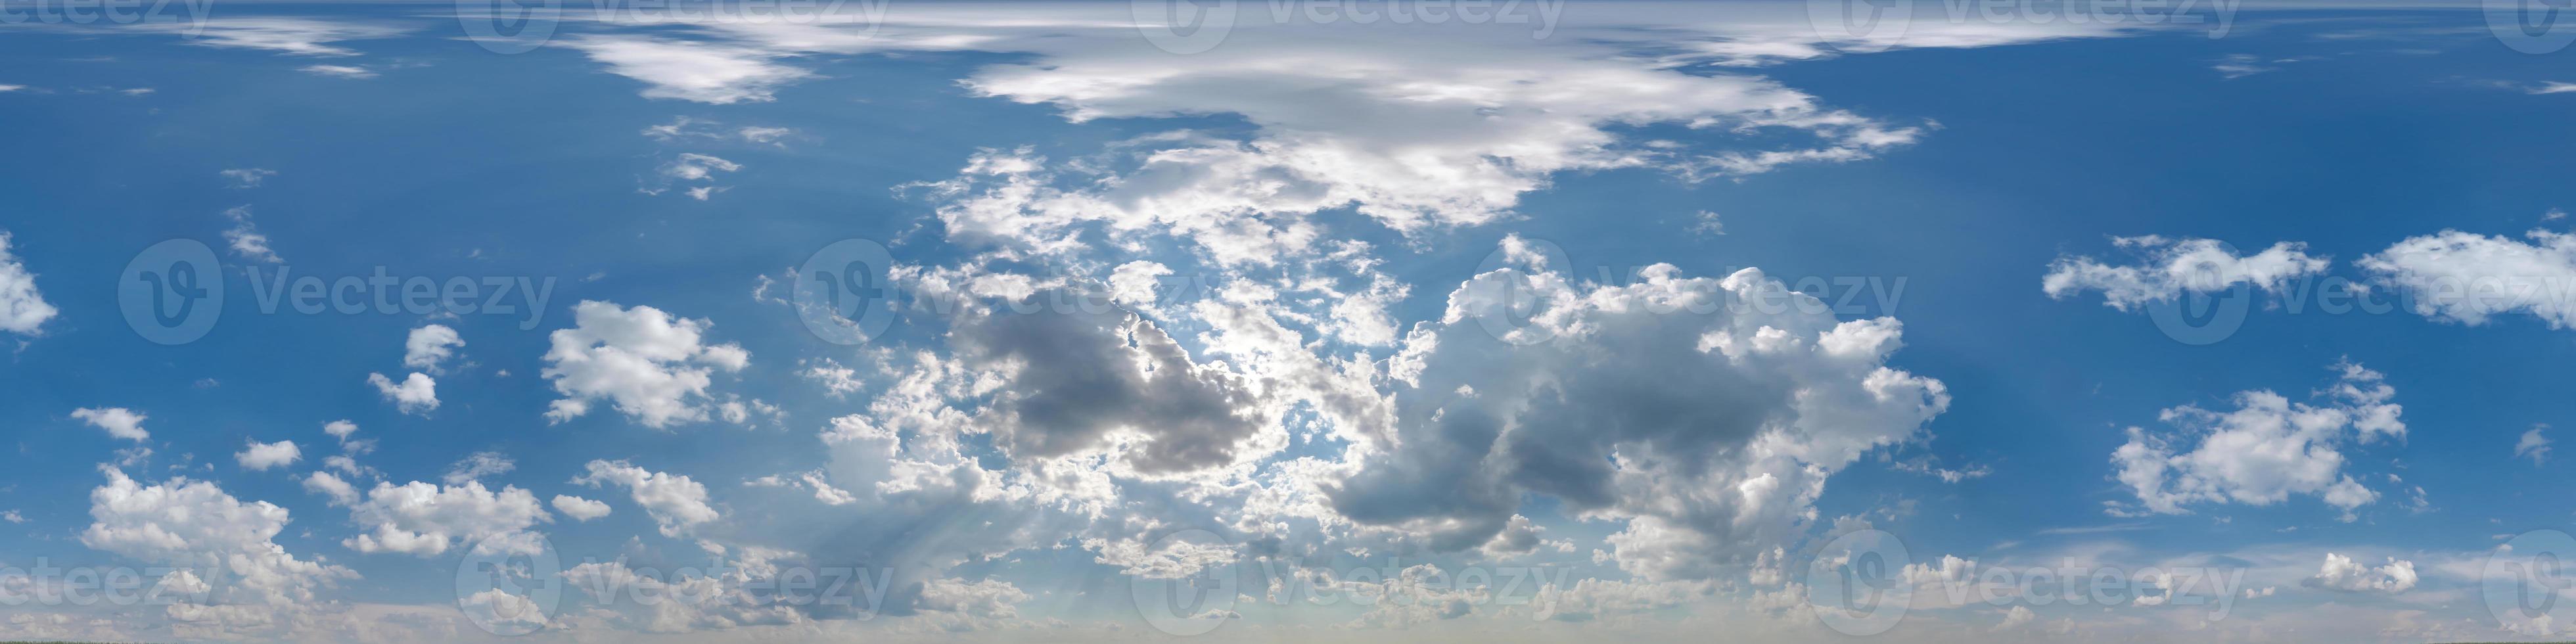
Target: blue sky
{"points": [[1359, 309]]}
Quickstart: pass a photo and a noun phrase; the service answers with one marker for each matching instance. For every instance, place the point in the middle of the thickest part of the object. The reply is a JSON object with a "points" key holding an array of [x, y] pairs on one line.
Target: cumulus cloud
{"points": [[331, 485], [1706, 422], [2342, 573], [229, 544], [424, 519], [676, 503], [22, 309], [120, 423], [653, 367], [261, 456], [580, 509], [2264, 451], [340, 430], [2469, 278], [2173, 266], [416, 394], [430, 345]]}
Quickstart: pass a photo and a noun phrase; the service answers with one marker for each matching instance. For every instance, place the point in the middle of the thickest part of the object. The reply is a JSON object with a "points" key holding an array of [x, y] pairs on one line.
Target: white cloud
{"points": [[424, 519], [261, 456], [296, 36], [690, 70], [2177, 265], [247, 177], [2341, 573], [340, 429], [119, 422], [331, 485], [1710, 425], [580, 509], [2552, 87], [416, 394], [676, 503], [2236, 66], [22, 309], [2264, 451], [2468, 278], [196, 525], [2018, 617], [245, 237], [477, 466], [653, 367], [2533, 445], [340, 71], [692, 167], [430, 345]]}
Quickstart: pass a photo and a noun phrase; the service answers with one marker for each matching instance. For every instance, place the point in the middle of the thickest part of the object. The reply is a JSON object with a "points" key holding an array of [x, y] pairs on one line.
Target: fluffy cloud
{"points": [[261, 456], [2264, 451], [580, 509], [2468, 278], [340, 430], [331, 485], [430, 345], [676, 503], [416, 394], [1077, 381], [653, 367], [120, 423], [227, 543], [2341, 573], [2173, 266], [22, 308], [1707, 413], [424, 519]]}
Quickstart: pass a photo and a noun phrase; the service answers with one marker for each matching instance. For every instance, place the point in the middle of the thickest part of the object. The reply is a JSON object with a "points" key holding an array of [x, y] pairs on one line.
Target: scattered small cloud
{"points": [[340, 71]]}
